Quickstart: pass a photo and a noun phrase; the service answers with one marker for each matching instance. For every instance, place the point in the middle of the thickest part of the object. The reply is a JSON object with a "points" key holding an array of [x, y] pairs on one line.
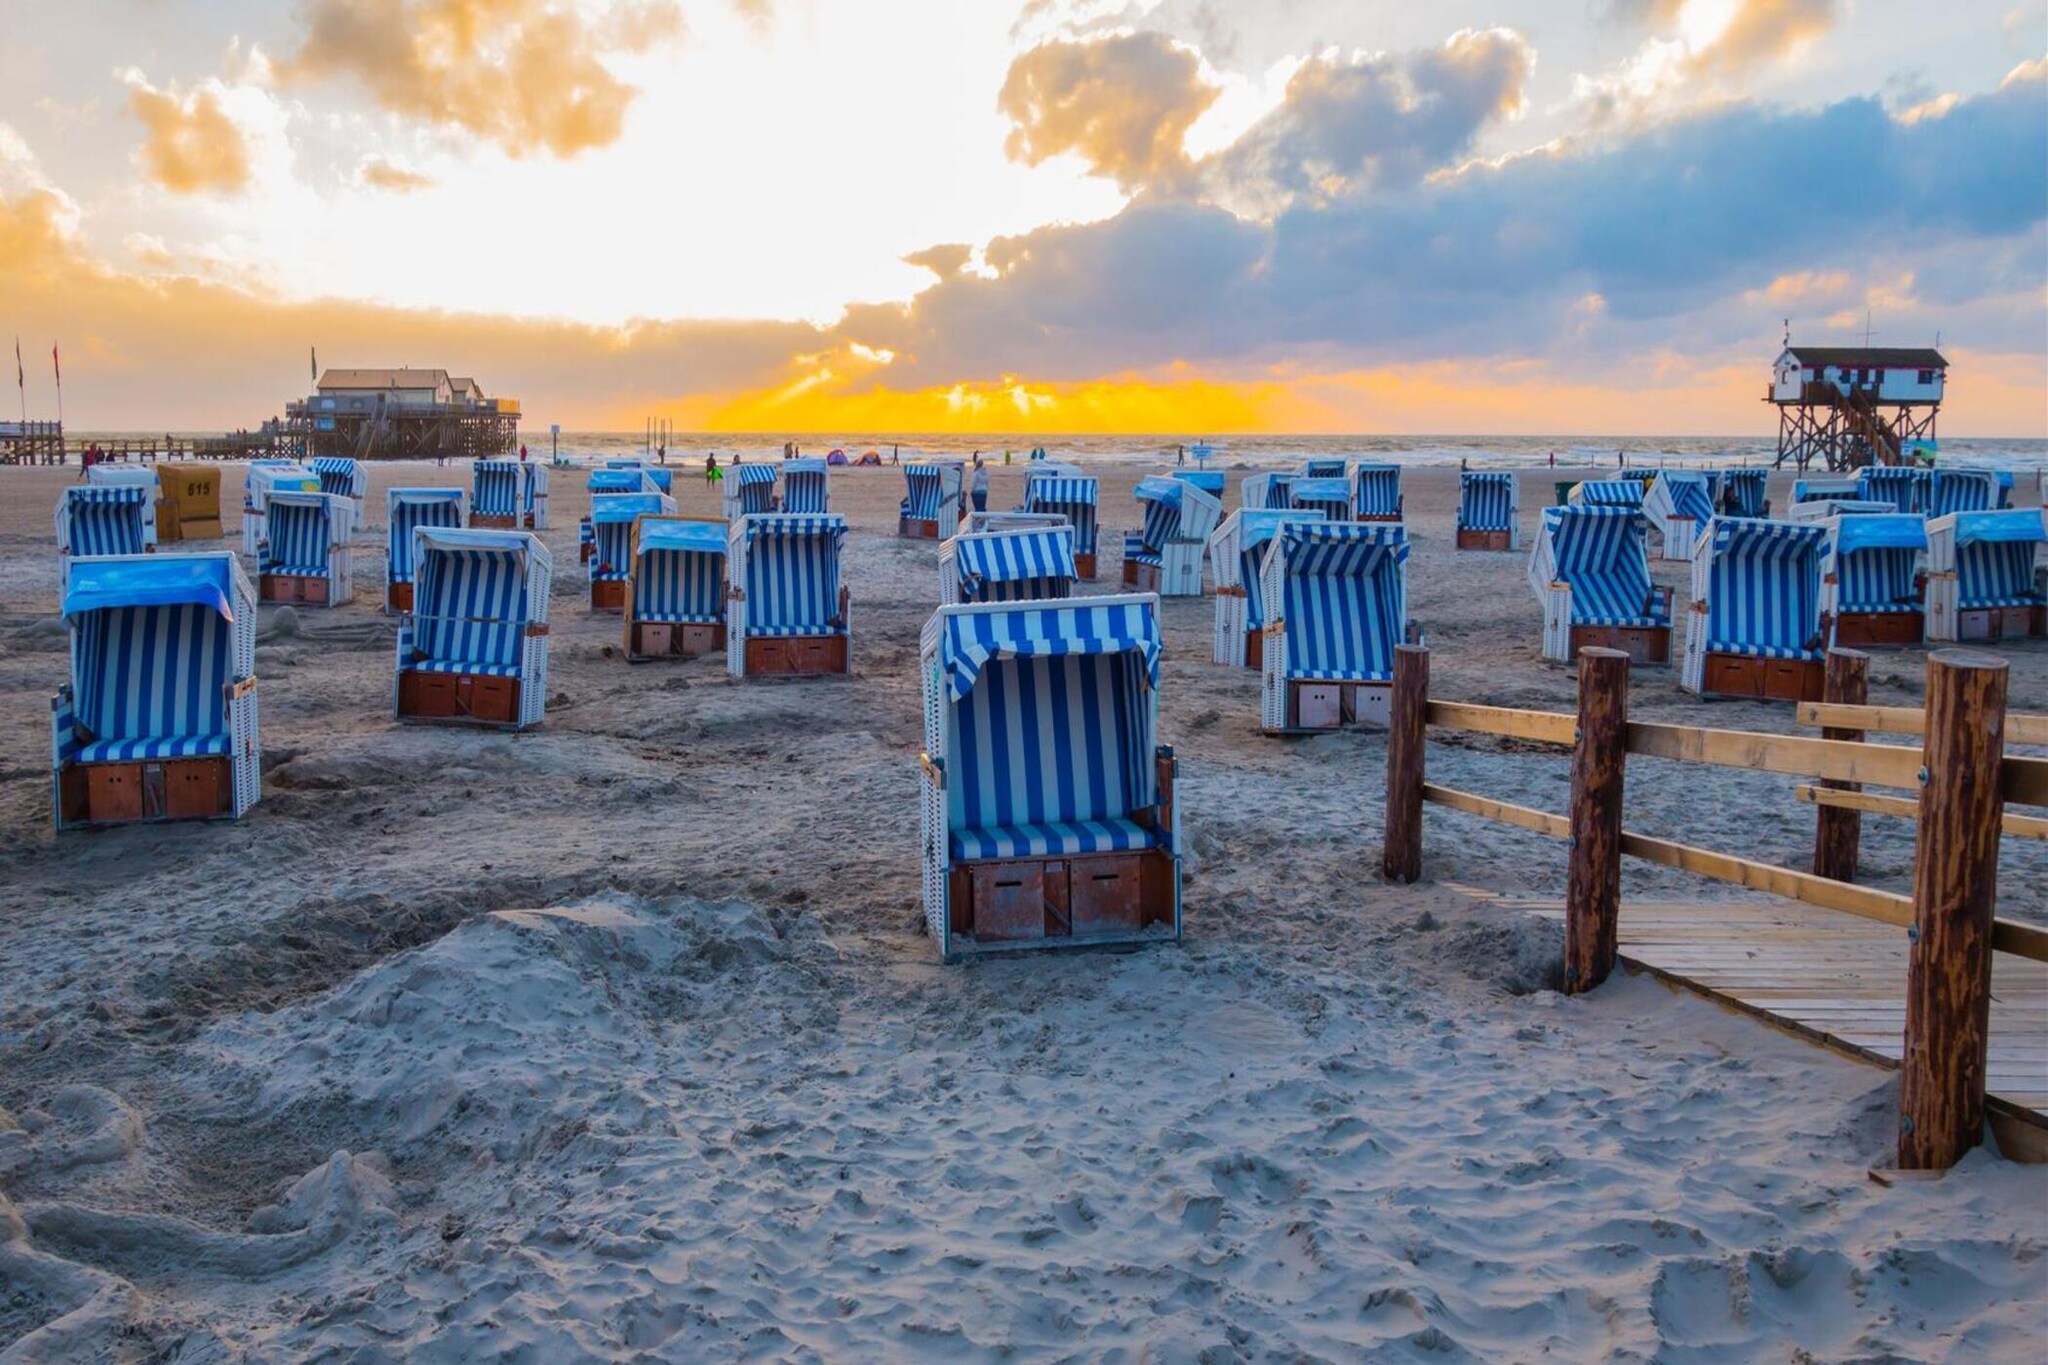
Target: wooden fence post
{"points": [[1838, 833], [1407, 737], [1592, 902], [1955, 886]]}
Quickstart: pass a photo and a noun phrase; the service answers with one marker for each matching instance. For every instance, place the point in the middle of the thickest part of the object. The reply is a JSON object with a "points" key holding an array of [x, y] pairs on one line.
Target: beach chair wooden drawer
{"points": [[1318, 706], [113, 792], [652, 639], [197, 788], [398, 598], [691, 641], [1105, 894], [1999, 623], [490, 521], [490, 699], [1084, 565], [608, 594], [427, 694], [1009, 901], [296, 588]]}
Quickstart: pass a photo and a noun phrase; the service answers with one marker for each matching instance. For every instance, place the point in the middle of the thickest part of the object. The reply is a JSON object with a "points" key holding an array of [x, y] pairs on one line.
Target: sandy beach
{"points": [[620, 1040]]}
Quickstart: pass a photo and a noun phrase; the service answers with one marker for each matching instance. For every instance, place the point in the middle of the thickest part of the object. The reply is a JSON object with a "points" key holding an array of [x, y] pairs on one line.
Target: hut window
{"points": [[1926, 376]]}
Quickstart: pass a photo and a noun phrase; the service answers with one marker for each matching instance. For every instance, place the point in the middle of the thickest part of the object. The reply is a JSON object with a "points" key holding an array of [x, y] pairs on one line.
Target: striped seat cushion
{"points": [[787, 632], [1346, 675], [2027, 599], [154, 747], [470, 666], [1054, 839], [679, 618]]}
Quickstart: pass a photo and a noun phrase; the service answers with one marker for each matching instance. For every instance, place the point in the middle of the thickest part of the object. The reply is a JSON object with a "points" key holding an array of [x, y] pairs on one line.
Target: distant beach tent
{"points": [[806, 487], [343, 478], [1048, 816], [1166, 555], [151, 481], [1591, 571], [158, 720], [1336, 598], [1984, 576], [1679, 504], [1329, 467], [265, 477], [1740, 492], [1272, 492], [787, 612], [1376, 492], [1963, 490], [1237, 555], [1331, 496], [1063, 491], [676, 598], [100, 520], [475, 649], [1607, 493], [1871, 589], [931, 502], [1489, 510], [611, 529], [1904, 487], [306, 558], [748, 490], [836, 457], [497, 495], [405, 510], [1754, 627], [1028, 564]]}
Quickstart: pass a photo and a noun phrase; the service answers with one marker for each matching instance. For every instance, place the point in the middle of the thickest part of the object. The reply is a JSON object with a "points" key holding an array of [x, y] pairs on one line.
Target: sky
{"points": [[1173, 216]]}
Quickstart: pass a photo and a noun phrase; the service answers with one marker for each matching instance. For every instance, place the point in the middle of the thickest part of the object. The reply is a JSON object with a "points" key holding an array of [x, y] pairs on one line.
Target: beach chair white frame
{"points": [[1052, 546], [495, 696], [673, 639], [1955, 610], [443, 507], [279, 575], [1238, 642], [1291, 704], [142, 781], [350, 479], [1475, 537], [1893, 625], [946, 519], [1782, 674], [1678, 531], [1823, 510], [486, 511], [1625, 533], [734, 489], [753, 655], [1024, 898], [263, 478], [533, 490], [1179, 570]]}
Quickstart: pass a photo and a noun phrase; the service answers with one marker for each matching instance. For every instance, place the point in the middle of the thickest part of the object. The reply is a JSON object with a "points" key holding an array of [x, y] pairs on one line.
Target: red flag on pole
{"points": [[56, 368], [20, 375]]}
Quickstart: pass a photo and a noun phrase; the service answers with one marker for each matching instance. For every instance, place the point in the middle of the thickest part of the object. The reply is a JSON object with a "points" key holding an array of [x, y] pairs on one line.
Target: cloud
{"points": [[947, 258], [193, 146], [1763, 30], [523, 74], [380, 174], [1122, 104]]}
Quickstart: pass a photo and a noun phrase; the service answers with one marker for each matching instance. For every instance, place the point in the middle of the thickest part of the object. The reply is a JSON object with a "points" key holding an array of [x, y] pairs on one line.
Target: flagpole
{"points": [[57, 368], [21, 381]]}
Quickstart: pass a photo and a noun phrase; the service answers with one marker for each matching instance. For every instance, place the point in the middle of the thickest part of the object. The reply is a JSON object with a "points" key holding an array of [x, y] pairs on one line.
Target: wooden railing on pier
{"points": [[1963, 779]]}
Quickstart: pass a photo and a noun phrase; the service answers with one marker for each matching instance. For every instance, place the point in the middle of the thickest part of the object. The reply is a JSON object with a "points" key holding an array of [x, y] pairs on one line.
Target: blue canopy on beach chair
{"points": [[1995, 554], [1015, 566], [407, 509], [1071, 497], [1330, 496], [1875, 559]]}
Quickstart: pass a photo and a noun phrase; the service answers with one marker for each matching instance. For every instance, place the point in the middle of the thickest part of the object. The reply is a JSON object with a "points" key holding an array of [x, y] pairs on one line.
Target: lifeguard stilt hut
{"points": [[1851, 406]]}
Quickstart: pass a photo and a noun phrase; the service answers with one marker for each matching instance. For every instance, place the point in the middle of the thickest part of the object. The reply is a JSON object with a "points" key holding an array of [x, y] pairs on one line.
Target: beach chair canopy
{"points": [[303, 528], [1689, 494], [1744, 489], [1600, 553], [1763, 592], [679, 576], [806, 487], [104, 519], [1015, 566], [1876, 561], [1331, 496], [1813, 490], [1486, 501], [1901, 487], [1160, 500], [1608, 493], [1051, 728], [924, 490], [1962, 490], [470, 605], [660, 476], [408, 508], [1343, 598], [496, 488], [1210, 482], [618, 479], [1072, 496], [1279, 491], [792, 582], [1995, 554], [611, 529], [1376, 490], [153, 653], [341, 477], [1331, 468]]}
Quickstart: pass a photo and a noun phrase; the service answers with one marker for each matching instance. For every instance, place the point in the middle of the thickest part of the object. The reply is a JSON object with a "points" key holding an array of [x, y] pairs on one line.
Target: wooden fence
{"points": [[1961, 774]]}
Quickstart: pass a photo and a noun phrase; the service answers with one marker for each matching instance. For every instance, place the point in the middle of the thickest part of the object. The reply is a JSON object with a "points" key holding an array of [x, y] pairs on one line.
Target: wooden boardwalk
{"points": [[1831, 976]]}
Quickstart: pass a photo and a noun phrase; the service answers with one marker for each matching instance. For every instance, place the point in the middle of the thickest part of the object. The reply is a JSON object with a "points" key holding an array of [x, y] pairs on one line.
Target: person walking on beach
{"points": [[1180, 457], [522, 452], [980, 484], [711, 474]]}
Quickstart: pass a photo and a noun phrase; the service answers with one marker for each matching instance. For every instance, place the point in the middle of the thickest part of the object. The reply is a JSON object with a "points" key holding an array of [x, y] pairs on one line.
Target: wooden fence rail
{"points": [[1962, 776]]}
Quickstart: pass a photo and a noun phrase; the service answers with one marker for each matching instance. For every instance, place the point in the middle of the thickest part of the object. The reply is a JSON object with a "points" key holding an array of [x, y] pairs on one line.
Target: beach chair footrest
{"points": [[302, 589], [608, 595], [917, 528], [1484, 540], [1742, 675], [1642, 644], [795, 655], [1879, 629], [1050, 901], [2001, 623], [487, 699], [146, 790]]}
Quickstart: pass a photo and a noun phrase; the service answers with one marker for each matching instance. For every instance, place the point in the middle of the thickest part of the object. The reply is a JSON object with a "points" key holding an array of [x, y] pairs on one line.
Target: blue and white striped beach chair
{"points": [[621, 476], [343, 478], [1026, 564], [806, 487], [1591, 571], [1326, 467], [1336, 603], [1962, 490], [151, 479], [676, 600], [100, 520], [1075, 497], [787, 613], [659, 478], [475, 649], [158, 720], [1331, 497], [1489, 510], [1237, 555], [931, 502], [1904, 488], [1267, 492], [1212, 482], [1627, 493], [1376, 492], [1985, 580], [265, 477], [1047, 812], [1871, 591], [1740, 492], [748, 490], [1166, 555], [1754, 628], [404, 510], [611, 539], [1679, 504], [306, 558], [1826, 488], [497, 495]]}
